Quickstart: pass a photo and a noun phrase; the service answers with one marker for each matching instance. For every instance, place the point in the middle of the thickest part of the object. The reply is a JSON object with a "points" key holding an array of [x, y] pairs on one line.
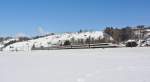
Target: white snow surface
{"points": [[78, 65]]}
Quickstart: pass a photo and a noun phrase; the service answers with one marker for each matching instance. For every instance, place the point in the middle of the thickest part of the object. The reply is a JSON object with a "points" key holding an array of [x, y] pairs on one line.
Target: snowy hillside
{"points": [[53, 40]]}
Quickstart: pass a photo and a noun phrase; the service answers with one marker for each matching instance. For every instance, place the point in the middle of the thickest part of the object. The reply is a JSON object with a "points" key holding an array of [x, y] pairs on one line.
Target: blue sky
{"points": [[26, 16]]}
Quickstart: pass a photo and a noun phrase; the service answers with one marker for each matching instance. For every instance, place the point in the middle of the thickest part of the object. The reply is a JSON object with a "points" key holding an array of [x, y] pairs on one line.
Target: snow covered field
{"points": [[79, 65]]}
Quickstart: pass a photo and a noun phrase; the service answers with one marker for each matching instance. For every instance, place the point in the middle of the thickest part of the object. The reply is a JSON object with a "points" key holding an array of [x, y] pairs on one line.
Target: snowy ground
{"points": [[80, 65]]}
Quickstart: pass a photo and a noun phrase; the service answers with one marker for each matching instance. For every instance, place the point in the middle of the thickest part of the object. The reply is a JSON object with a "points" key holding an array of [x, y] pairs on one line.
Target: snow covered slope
{"points": [[54, 40]]}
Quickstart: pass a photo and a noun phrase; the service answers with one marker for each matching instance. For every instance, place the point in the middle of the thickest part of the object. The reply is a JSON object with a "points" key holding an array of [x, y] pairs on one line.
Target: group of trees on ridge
{"points": [[126, 33]]}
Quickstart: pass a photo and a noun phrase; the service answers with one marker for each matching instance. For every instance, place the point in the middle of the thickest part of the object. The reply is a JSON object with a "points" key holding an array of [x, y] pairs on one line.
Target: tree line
{"points": [[126, 33]]}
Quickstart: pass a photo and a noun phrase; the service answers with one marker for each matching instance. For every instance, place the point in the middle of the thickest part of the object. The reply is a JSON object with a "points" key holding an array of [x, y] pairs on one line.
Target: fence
{"points": [[85, 46]]}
